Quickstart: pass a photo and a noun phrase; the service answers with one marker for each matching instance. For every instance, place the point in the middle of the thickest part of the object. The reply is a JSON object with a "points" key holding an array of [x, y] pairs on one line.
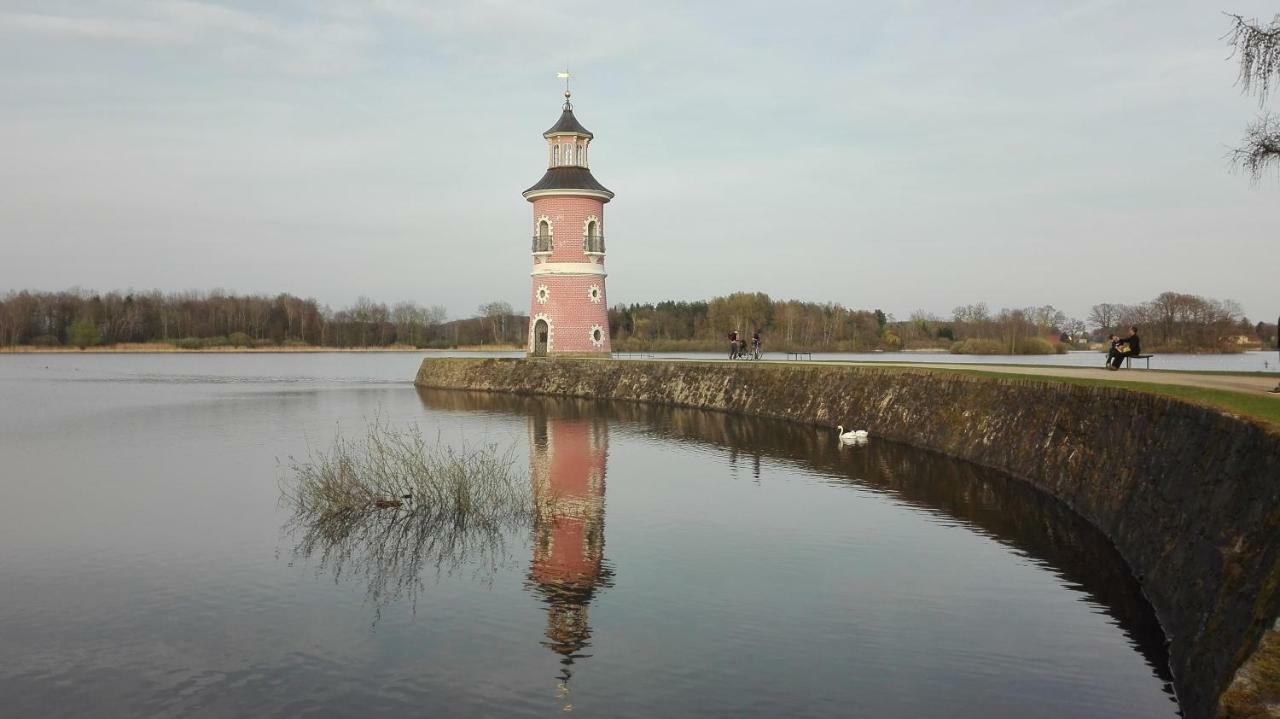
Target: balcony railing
{"points": [[542, 243]]}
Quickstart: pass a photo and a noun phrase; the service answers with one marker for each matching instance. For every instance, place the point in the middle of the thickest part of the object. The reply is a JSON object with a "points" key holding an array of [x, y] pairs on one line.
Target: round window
{"points": [[597, 335]]}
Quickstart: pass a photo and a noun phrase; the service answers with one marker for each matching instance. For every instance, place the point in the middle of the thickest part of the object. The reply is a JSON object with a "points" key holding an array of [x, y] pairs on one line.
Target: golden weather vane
{"points": [[565, 76]]}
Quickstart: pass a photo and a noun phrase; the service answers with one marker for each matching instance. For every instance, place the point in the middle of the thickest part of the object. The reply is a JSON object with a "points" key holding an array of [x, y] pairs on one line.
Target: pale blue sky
{"points": [[903, 155]]}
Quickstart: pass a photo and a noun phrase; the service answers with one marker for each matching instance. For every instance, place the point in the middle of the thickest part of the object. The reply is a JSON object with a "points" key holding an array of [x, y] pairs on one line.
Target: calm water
{"points": [[696, 565]]}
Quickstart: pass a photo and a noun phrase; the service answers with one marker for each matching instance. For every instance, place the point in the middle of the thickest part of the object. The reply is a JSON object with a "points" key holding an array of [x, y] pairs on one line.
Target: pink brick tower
{"points": [[569, 314]]}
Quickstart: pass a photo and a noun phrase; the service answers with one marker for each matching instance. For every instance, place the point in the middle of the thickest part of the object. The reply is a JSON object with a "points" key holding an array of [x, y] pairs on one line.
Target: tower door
{"points": [[540, 332]]}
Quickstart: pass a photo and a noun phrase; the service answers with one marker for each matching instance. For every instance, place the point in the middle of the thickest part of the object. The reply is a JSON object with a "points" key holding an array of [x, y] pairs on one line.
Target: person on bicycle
{"points": [[755, 344]]}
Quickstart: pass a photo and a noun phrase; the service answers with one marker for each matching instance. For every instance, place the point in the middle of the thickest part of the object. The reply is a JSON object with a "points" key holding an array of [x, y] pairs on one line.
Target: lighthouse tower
{"points": [[569, 314]]}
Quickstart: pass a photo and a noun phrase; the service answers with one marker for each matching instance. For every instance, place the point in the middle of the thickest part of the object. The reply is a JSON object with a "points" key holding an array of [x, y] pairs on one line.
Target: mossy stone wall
{"points": [[1190, 496]]}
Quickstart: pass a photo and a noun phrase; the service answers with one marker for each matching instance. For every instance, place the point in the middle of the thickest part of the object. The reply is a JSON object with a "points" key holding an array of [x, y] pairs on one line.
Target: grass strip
{"points": [[1259, 407]]}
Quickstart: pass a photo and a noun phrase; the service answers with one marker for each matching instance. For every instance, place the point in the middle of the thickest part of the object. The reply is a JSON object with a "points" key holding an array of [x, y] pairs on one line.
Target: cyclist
{"points": [[755, 345]]}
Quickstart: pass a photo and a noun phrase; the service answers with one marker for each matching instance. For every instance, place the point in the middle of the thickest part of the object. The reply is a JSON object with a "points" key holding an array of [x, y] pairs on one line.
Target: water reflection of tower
{"points": [[567, 457]]}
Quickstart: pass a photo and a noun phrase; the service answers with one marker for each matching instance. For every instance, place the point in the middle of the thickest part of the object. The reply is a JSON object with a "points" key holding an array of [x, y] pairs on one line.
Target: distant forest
{"points": [[1172, 322], [195, 320]]}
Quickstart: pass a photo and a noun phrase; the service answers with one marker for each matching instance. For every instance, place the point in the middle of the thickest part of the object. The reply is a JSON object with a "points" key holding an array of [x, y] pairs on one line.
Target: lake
{"points": [[695, 564]]}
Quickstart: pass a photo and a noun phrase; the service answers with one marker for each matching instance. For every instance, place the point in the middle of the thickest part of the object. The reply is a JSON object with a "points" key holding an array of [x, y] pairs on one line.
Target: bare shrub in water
{"points": [[388, 504], [390, 468]]}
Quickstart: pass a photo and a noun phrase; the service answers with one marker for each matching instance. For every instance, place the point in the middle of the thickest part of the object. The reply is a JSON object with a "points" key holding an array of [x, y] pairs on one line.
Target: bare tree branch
{"points": [[1259, 51], [1261, 147]]}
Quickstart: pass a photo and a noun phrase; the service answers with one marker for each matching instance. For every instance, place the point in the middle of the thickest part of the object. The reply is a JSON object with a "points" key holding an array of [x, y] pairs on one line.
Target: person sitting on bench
{"points": [[1128, 347], [1112, 341]]}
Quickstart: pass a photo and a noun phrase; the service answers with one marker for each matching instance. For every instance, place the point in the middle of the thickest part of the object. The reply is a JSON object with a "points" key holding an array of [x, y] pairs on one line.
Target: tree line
{"points": [[1172, 322], [1177, 322], [832, 327], [705, 324], [196, 320]]}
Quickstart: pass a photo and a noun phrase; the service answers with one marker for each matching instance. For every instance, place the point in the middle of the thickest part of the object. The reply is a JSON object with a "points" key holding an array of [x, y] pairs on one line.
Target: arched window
{"points": [[542, 240], [568, 150], [555, 155], [593, 238]]}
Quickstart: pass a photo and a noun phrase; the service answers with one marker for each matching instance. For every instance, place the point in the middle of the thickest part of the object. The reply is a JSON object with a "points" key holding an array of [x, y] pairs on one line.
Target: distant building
{"points": [[569, 314]]}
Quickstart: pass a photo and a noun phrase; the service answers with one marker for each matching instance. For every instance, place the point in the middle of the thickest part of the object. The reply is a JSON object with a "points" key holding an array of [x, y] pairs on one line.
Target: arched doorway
{"points": [[541, 332]]}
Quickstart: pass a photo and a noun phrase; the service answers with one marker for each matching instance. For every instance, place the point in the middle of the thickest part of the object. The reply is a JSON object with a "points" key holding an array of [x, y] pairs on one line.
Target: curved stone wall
{"points": [[1189, 496]]}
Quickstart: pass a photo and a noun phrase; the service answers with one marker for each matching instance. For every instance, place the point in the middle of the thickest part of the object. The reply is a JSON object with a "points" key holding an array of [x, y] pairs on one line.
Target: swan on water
{"points": [[856, 435]]}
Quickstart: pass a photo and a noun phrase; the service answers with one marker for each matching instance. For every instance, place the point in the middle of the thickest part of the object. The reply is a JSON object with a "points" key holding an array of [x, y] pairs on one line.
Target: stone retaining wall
{"points": [[1190, 496]]}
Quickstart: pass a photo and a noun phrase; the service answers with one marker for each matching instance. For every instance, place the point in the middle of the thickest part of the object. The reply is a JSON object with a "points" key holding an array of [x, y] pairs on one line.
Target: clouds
{"points": [[897, 154], [173, 21], [84, 28], [318, 42]]}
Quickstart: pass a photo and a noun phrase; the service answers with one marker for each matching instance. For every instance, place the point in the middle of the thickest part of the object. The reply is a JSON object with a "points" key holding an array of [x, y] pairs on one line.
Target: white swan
{"points": [[857, 435]]}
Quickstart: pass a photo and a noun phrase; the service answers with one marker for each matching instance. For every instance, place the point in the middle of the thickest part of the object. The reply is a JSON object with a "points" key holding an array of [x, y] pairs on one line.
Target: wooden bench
{"points": [[1128, 361], [796, 355]]}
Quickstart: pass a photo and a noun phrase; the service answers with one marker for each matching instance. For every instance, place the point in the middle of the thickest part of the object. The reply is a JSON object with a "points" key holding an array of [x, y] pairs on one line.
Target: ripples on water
{"points": [[693, 564]]}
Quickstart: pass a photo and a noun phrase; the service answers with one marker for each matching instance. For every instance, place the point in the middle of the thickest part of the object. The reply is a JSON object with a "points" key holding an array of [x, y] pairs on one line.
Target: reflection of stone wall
{"points": [[1190, 496]]}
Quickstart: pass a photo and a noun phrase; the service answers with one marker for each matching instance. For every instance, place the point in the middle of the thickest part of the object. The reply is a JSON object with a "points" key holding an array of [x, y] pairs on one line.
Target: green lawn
{"points": [[1260, 407]]}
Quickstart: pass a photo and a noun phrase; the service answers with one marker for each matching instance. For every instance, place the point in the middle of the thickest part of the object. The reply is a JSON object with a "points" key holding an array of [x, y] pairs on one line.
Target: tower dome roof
{"points": [[570, 177], [568, 173], [567, 124]]}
